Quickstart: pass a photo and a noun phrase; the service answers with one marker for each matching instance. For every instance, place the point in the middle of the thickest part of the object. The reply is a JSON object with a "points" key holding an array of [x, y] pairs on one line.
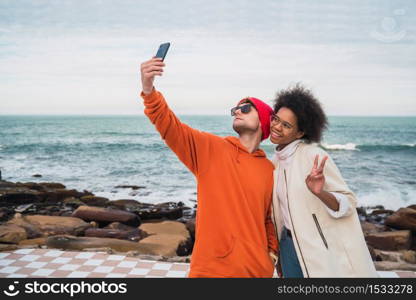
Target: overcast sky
{"points": [[83, 57]]}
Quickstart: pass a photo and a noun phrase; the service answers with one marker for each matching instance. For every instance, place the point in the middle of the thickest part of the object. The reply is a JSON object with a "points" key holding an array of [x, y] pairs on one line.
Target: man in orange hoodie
{"points": [[234, 234]]}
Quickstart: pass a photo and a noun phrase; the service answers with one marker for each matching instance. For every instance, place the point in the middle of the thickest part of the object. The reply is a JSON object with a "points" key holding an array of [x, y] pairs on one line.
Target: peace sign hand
{"points": [[316, 179]]}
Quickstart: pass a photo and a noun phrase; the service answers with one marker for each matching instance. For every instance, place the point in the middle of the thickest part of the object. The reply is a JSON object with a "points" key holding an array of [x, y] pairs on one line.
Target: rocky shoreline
{"points": [[48, 215]]}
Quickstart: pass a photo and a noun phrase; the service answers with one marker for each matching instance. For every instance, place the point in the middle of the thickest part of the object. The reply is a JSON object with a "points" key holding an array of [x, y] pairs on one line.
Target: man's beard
{"points": [[241, 129]]}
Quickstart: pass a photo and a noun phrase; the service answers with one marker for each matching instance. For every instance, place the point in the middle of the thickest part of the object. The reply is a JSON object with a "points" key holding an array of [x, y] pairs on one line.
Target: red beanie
{"points": [[264, 111]]}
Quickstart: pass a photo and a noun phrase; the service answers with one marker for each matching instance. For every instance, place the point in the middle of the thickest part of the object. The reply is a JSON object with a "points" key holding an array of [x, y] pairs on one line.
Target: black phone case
{"points": [[163, 49]]}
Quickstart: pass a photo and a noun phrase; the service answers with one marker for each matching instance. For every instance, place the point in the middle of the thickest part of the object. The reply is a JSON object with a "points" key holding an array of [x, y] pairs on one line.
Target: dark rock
{"points": [[68, 242], [190, 225], [393, 240], [133, 235], [146, 211], [119, 226], [106, 215], [404, 218], [133, 187], [412, 206], [18, 198], [95, 201], [36, 175]]}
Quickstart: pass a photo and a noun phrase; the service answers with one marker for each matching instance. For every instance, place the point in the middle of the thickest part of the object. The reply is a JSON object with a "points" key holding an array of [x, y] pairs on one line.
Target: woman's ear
{"points": [[300, 134]]}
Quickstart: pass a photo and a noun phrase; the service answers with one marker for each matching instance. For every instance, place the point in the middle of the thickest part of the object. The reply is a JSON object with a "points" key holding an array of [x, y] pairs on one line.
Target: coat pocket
{"points": [[320, 230]]}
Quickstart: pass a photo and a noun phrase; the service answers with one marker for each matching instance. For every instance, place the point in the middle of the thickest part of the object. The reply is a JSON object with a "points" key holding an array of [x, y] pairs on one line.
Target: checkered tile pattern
{"points": [[45, 263], [66, 264]]}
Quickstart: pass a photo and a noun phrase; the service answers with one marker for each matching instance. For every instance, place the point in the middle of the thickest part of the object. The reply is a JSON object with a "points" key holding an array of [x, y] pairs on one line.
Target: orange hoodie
{"points": [[234, 232]]}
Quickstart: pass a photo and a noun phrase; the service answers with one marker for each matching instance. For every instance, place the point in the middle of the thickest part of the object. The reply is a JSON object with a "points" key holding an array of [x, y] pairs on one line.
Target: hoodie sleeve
{"points": [[190, 145]]}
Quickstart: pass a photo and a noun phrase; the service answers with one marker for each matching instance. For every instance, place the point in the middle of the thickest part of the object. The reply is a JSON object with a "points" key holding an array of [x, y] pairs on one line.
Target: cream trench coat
{"points": [[325, 246]]}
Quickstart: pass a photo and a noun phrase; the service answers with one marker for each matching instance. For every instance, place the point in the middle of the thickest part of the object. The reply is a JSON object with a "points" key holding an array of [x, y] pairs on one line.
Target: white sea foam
{"points": [[391, 198], [348, 146]]}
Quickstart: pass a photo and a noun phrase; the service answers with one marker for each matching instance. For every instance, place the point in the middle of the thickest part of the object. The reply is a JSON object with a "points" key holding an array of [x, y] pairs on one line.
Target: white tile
{"points": [[9, 270], [115, 275], [29, 257], [387, 274], [17, 276], [24, 251], [139, 271], [176, 274], [43, 272], [115, 257], [103, 269], [159, 266], [36, 264], [3, 255], [53, 253], [153, 276], [93, 262], [127, 264], [6, 262], [78, 274], [61, 260], [69, 267], [85, 255]]}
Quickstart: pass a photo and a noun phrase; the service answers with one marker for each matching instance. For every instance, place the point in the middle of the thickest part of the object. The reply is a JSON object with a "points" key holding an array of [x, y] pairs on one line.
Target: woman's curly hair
{"points": [[308, 110]]}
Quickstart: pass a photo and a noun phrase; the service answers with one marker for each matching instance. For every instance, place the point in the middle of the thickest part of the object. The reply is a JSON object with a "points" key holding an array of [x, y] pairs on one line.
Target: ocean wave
{"points": [[367, 147], [348, 146]]}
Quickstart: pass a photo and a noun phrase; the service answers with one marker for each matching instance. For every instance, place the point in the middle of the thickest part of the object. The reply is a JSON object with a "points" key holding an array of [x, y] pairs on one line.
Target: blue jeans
{"points": [[288, 257]]}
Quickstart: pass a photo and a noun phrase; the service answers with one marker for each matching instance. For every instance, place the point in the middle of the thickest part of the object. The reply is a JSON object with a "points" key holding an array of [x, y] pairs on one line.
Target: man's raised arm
{"points": [[190, 145]]}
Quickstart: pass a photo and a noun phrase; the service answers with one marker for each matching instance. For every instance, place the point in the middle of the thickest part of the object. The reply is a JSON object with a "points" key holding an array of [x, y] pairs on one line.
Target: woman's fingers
{"points": [[315, 163], [321, 167]]}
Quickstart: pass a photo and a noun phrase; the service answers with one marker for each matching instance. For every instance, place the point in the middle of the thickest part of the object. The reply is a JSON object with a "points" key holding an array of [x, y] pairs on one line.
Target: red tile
{"points": [[60, 274], [145, 265], [86, 268], [176, 267]]}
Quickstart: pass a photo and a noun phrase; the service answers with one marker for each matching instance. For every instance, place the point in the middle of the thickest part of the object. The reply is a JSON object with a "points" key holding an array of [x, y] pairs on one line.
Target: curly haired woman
{"points": [[314, 211]]}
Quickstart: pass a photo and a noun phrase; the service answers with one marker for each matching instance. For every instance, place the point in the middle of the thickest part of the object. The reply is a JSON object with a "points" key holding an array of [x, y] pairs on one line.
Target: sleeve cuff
{"points": [[344, 206]]}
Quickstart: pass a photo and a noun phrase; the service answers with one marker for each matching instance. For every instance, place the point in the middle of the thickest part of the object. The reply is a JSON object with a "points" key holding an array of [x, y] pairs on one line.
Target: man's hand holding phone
{"points": [[152, 68], [149, 70]]}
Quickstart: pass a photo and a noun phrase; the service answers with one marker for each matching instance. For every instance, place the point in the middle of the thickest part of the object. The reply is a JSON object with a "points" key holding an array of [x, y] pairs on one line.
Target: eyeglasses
{"points": [[275, 120], [245, 108]]}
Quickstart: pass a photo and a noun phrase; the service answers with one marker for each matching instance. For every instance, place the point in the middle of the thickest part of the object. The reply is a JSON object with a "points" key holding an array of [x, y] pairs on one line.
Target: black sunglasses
{"points": [[245, 108]]}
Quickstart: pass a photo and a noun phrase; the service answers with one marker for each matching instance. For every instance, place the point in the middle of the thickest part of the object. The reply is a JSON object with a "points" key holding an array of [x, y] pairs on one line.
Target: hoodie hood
{"points": [[241, 149]]}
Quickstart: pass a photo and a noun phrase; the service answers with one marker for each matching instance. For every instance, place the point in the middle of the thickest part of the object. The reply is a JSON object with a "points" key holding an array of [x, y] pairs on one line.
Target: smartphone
{"points": [[163, 49]]}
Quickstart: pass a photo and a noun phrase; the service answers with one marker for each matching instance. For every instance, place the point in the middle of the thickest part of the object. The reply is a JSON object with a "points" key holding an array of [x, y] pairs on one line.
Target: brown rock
{"points": [[413, 206], [167, 238], [392, 240], [33, 242], [68, 242], [409, 256], [404, 218], [10, 233], [32, 230], [388, 255], [95, 201], [394, 266], [8, 247], [368, 227], [106, 215], [51, 225]]}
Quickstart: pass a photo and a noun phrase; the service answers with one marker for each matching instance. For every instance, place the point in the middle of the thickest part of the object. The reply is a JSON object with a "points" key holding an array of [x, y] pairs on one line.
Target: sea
{"points": [[376, 155]]}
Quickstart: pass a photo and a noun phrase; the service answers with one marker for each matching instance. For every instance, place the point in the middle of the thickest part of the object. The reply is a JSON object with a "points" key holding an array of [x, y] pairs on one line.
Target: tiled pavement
{"points": [[48, 263]]}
